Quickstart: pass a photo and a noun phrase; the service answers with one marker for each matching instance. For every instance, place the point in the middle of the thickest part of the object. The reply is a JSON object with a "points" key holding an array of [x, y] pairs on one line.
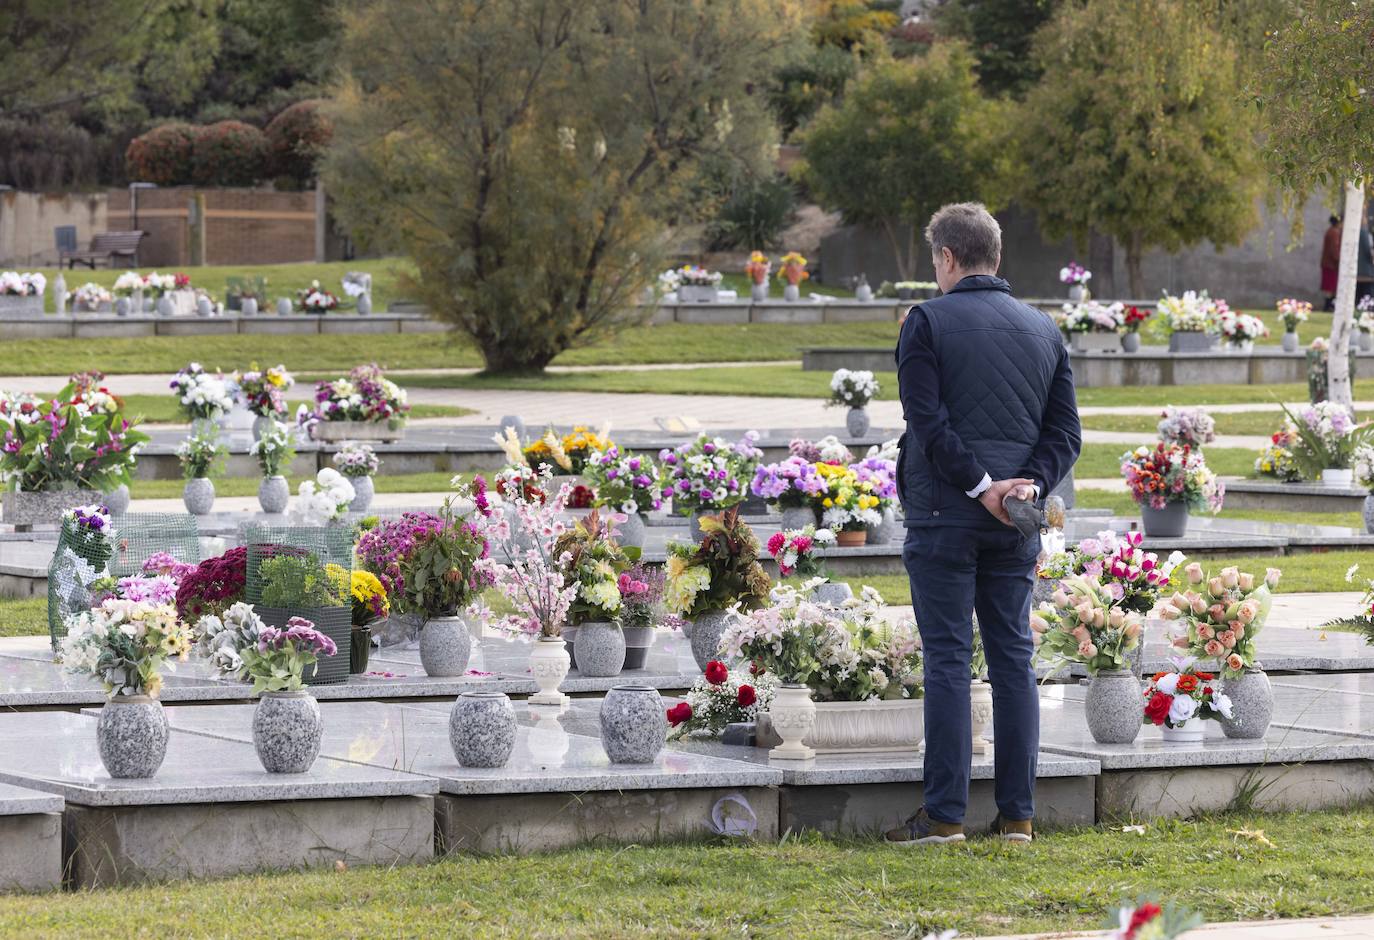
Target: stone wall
{"points": [[28, 224]]}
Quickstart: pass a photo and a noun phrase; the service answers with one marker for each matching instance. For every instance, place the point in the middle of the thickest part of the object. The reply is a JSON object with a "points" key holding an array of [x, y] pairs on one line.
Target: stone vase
{"points": [[117, 500], [758, 293], [364, 305], [260, 425], [1252, 705], [1369, 514], [248, 306], [633, 531], [283, 306], [1171, 522], [286, 731], [797, 517], [980, 712], [694, 523], [199, 496], [481, 729], [549, 664], [363, 491], [1114, 707], [832, 593], [59, 294], [856, 422], [600, 648], [164, 306], [203, 306], [882, 533], [121, 306], [707, 630], [274, 493], [136, 303], [791, 293], [1366, 341], [792, 714], [1290, 342], [132, 736], [515, 423], [1078, 293], [1130, 342], [445, 645], [634, 724], [638, 642]]}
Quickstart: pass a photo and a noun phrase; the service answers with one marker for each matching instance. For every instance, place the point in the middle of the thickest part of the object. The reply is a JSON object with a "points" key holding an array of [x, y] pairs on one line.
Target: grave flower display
{"points": [[264, 391], [326, 499], [1134, 578], [692, 283], [852, 504], [1179, 701], [315, 299], [358, 463], [370, 604], [626, 483], [1278, 460], [567, 455], [757, 270], [853, 390], [28, 284], [795, 551], [364, 405], [709, 474], [274, 450], [721, 697], [1293, 312], [1327, 438], [202, 397], [792, 486], [124, 645], [1240, 330], [214, 585], [792, 271], [1091, 317], [1191, 319], [286, 722], [1167, 483], [705, 581], [1364, 322], [590, 558], [1134, 319], [1075, 275], [1192, 427], [90, 298], [202, 457]]}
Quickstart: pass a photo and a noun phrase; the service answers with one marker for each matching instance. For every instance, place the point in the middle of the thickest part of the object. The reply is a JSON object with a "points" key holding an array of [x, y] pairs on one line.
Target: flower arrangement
{"points": [[794, 550], [567, 454], [157, 589], [160, 284], [326, 498], [1172, 473], [277, 662], [792, 268], [1132, 577], [79, 439], [1193, 312], [264, 390], [1362, 462], [1278, 460], [381, 549], [1293, 312], [274, 450], [369, 597], [789, 484], [315, 299], [852, 389], [28, 284], [443, 570], [165, 563], [719, 697], [591, 559], [519, 482], [624, 481], [1193, 427], [709, 473], [200, 457], [1364, 315], [89, 296], [1146, 920], [1327, 437], [128, 284], [526, 570], [1220, 617], [721, 572], [1091, 317], [850, 503], [1174, 698], [124, 644], [222, 638], [1240, 328], [1135, 318], [200, 394], [641, 596], [758, 268], [355, 460], [214, 585], [1083, 624], [19, 406], [828, 449], [365, 394], [1075, 273], [89, 527]]}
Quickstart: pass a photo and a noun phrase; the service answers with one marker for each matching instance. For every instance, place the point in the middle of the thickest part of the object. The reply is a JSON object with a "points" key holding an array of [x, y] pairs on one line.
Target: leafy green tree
{"points": [[1316, 96], [1138, 129], [525, 154], [999, 32], [909, 136]]}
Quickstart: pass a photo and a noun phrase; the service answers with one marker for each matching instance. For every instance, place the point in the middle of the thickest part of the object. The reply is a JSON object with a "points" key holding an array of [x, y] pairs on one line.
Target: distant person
{"points": [[1331, 262], [1364, 263]]}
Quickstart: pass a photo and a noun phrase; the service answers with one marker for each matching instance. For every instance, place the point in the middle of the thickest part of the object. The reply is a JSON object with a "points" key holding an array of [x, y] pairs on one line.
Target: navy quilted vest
{"points": [[997, 359]]}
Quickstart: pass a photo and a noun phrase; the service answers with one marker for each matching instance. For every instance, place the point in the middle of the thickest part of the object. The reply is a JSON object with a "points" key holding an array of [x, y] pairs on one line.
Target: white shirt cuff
{"points": [[981, 488]]}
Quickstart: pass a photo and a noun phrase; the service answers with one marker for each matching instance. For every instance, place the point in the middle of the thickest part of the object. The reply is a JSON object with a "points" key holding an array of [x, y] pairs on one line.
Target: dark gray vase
{"points": [[634, 724], [1171, 522], [132, 736], [1114, 707], [856, 422], [632, 531], [797, 517], [1369, 514], [363, 491], [481, 729], [600, 648], [707, 630], [287, 730], [117, 500]]}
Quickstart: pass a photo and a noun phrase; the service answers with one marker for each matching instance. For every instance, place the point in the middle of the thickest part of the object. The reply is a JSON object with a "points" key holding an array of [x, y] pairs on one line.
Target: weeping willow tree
{"points": [[528, 155]]}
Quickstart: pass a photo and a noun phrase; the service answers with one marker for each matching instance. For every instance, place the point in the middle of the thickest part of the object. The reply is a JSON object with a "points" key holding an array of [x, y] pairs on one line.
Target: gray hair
{"points": [[970, 233]]}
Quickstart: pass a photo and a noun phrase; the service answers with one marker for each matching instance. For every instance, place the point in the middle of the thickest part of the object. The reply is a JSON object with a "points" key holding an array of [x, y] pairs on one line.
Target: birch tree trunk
{"points": [[1338, 352]]}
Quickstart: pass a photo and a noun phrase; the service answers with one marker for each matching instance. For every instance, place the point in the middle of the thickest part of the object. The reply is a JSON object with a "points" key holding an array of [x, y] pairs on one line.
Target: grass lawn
{"points": [[1244, 422], [1123, 504], [1103, 461], [163, 409], [23, 616], [248, 486], [804, 887]]}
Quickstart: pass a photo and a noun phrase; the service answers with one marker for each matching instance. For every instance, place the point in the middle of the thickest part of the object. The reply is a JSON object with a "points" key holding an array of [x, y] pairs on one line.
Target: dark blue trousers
{"points": [[955, 571]]}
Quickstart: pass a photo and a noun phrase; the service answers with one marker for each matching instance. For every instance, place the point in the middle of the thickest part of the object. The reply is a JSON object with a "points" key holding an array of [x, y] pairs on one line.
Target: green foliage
{"points": [[999, 32], [720, 571], [274, 450], [162, 156], [296, 140], [292, 579], [229, 153], [438, 571], [201, 457], [46, 155], [526, 156], [91, 449], [754, 214], [591, 559], [803, 85], [1137, 129], [909, 137]]}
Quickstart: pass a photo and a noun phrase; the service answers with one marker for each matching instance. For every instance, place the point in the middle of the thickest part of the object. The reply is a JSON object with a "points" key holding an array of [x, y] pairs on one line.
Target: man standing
{"points": [[990, 411]]}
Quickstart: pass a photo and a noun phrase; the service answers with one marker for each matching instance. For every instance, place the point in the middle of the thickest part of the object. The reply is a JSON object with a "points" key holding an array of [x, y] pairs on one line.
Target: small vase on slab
{"points": [[791, 293], [1342, 477], [634, 724], [482, 729], [1252, 705], [1130, 342], [797, 517], [1171, 522], [856, 422], [632, 531], [1113, 707], [287, 731], [792, 714], [132, 736], [1290, 342], [549, 665], [600, 648], [707, 629], [117, 500], [363, 491], [445, 645], [199, 496], [1369, 514], [274, 494]]}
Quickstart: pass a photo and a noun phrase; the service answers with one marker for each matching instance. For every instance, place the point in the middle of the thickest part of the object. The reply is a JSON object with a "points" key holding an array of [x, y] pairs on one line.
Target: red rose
{"points": [[716, 673], [679, 713], [1142, 916], [756, 670], [1157, 709], [746, 696]]}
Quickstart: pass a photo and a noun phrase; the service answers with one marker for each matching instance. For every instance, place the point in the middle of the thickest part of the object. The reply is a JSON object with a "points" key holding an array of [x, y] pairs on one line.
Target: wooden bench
{"points": [[106, 247]]}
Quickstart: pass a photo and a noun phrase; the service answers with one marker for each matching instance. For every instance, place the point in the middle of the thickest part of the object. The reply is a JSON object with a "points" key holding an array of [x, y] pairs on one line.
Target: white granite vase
{"points": [[274, 494], [203, 306], [600, 648], [797, 517], [883, 532], [199, 496], [549, 664], [43, 507], [1369, 514], [707, 630], [283, 306], [363, 491], [1290, 342], [831, 593], [633, 531], [445, 645], [634, 724], [856, 422], [1190, 732], [481, 729], [980, 714], [132, 736], [164, 306], [248, 307], [1114, 707], [792, 714], [286, 731], [1252, 705], [117, 500], [260, 425], [791, 293], [758, 293]]}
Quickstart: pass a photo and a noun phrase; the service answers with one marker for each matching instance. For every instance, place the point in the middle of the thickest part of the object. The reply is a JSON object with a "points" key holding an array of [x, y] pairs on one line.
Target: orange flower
{"points": [[1187, 683]]}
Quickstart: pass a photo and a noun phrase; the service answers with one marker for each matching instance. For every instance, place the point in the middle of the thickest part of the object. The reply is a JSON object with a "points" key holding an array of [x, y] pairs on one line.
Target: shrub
{"points": [[229, 153], [295, 140], [39, 156], [754, 214], [161, 156]]}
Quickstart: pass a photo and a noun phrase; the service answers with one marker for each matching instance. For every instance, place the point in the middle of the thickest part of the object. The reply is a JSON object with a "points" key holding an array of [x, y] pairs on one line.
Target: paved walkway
{"points": [[1319, 928]]}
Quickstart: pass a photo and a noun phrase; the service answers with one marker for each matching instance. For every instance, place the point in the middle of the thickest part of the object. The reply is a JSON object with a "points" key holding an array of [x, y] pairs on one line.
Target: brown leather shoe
{"points": [[922, 830], [1011, 830]]}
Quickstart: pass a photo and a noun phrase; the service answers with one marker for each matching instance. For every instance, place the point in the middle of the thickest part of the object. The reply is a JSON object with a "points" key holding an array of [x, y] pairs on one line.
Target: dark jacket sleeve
{"points": [[1061, 435], [927, 418]]}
